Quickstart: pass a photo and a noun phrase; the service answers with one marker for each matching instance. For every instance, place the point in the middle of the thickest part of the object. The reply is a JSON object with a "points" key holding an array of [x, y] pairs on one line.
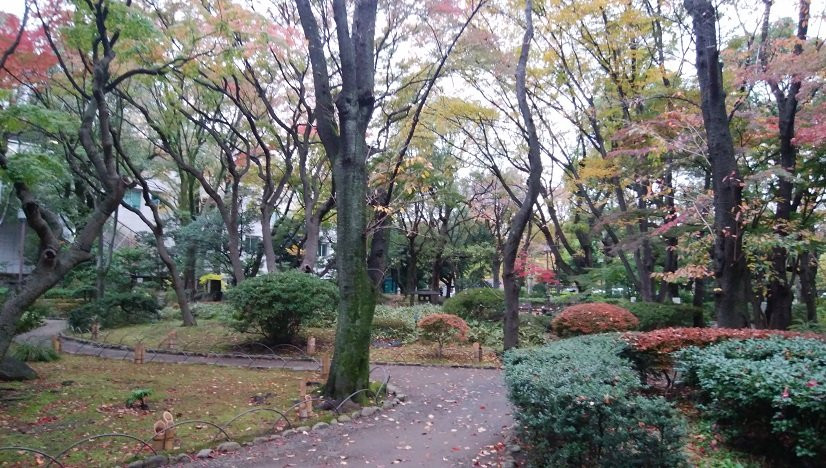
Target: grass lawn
{"points": [[215, 336], [78, 397], [208, 336]]}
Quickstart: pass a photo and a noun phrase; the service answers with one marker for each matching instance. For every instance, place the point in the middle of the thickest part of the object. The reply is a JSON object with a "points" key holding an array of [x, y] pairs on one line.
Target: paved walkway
{"points": [[452, 417]]}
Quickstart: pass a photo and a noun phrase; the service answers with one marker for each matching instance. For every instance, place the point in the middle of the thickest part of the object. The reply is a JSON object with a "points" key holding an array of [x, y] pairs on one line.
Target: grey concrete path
{"points": [[43, 334], [452, 417]]}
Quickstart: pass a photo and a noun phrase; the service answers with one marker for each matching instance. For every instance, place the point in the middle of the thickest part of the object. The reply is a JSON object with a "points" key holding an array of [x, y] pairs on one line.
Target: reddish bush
{"points": [[595, 317], [443, 327], [668, 340]]}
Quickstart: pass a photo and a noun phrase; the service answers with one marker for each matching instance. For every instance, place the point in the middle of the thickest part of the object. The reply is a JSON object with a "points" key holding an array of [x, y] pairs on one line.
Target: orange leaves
{"points": [[595, 317], [31, 59], [668, 340], [439, 324]]}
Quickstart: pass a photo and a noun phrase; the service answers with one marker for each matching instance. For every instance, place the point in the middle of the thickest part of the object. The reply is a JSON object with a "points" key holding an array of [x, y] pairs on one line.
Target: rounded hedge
{"points": [[276, 304], [595, 317], [477, 304]]}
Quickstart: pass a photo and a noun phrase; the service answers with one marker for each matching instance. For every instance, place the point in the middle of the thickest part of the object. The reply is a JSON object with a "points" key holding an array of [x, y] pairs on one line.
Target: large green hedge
{"points": [[579, 404], [276, 304], [116, 309], [653, 315], [477, 304], [770, 392]]}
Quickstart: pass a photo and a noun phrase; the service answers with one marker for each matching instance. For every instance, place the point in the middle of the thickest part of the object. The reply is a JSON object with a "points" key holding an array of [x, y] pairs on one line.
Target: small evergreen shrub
{"points": [[594, 317], [477, 304], [770, 392], [138, 395], [275, 305], [116, 310], [579, 404], [399, 322], [442, 328], [29, 352]]}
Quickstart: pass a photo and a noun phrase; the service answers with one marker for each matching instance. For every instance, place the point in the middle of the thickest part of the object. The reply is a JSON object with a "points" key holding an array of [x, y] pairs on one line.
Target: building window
{"points": [[323, 249], [133, 198]]}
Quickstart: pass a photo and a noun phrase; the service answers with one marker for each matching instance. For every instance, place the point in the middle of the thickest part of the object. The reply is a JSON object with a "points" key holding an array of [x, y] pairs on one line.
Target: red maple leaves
{"points": [[31, 60]]}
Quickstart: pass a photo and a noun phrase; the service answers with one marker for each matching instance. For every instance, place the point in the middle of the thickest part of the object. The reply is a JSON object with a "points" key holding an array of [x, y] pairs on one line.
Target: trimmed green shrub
{"points": [[393, 328], [29, 352], [212, 311], [593, 317], [115, 310], [579, 404], [477, 304], [275, 305], [488, 334], [533, 329], [410, 314], [653, 315], [770, 392], [31, 318]]}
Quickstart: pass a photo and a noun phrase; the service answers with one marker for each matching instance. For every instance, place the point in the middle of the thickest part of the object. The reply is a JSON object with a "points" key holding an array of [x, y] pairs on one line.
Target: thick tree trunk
{"points": [[436, 273], [234, 245], [643, 256], [668, 290], [350, 369], [496, 269], [697, 301], [266, 237], [523, 215], [729, 259], [411, 271], [177, 282], [808, 284], [312, 228], [345, 145], [189, 279]]}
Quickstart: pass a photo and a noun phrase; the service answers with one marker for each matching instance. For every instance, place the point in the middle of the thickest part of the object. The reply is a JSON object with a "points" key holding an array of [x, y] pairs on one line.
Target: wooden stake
{"points": [[311, 345], [56, 344], [95, 330], [308, 405], [139, 353], [158, 440], [325, 366], [477, 352], [170, 339], [302, 388], [302, 410], [169, 434]]}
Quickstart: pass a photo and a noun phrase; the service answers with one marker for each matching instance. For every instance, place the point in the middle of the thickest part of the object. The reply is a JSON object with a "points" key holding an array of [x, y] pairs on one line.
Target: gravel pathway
{"points": [[451, 417]]}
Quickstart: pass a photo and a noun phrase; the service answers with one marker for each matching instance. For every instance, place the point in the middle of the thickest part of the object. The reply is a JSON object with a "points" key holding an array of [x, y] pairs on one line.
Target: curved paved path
{"points": [[452, 417]]}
